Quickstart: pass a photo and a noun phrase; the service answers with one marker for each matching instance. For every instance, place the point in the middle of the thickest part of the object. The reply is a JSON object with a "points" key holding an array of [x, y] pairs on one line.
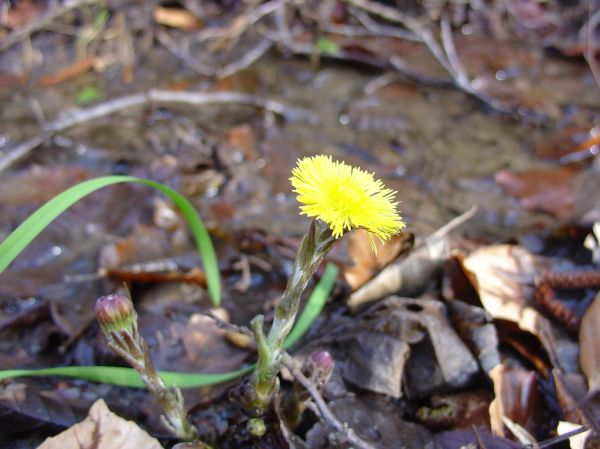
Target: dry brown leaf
{"points": [[517, 398], [547, 190], [589, 344], [570, 392], [503, 275], [102, 429], [176, 18], [368, 263]]}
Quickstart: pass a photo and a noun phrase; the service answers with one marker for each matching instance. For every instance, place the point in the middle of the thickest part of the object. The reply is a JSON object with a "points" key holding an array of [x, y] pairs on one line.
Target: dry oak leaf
{"points": [[102, 429]]}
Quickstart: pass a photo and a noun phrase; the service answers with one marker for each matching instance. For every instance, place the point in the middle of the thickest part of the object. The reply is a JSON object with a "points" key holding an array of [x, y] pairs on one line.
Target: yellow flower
{"points": [[345, 197]]}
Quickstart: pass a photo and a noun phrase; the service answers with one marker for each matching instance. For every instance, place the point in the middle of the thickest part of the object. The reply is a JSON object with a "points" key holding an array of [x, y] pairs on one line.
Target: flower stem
{"points": [[315, 246], [118, 320]]}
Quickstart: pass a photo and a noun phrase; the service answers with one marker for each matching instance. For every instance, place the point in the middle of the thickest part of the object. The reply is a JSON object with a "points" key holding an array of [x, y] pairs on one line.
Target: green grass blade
{"points": [[18, 240], [314, 305], [128, 377]]}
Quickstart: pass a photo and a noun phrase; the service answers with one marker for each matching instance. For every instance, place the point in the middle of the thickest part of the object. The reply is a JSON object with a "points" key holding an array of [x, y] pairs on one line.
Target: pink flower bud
{"points": [[319, 367], [116, 314], [322, 360]]}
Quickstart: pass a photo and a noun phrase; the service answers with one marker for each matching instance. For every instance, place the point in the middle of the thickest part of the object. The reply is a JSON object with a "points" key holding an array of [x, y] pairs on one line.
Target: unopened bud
{"points": [[256, 427], [116, 315], [319, 367]]}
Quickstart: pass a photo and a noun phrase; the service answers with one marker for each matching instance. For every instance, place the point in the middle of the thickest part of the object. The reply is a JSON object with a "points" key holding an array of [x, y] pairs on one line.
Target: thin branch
{"points": [[459, 73], [410, 23], [166, 41], [383, 30], [407, 71], [42, 22], [17, 153], [76, 116], [241, 23], [343, 429], [247, 60]]}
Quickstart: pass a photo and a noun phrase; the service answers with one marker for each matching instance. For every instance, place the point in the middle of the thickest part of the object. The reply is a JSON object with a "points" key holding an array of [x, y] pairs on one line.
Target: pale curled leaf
{"points": [[503, 276], [576, 441], [102, 429]]}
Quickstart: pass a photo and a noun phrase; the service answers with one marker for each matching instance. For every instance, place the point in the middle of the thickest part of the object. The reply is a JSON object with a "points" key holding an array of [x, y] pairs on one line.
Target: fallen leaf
{"points": [[402, 328], [376, 362], [476, 328], [546, 190], [576, 441], [176, 18], [410, 276], [570, 392], [517, 398], [39, 184], [367, 263], [589, 338], [461, 439], [102, 429], [21, 13], [241, 138], [375, 421], [503, 276], [23, 407]]}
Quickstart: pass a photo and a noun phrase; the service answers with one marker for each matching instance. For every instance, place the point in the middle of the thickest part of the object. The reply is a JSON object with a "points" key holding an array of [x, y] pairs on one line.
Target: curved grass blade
{"points": [[128, 377], [16, 242]]}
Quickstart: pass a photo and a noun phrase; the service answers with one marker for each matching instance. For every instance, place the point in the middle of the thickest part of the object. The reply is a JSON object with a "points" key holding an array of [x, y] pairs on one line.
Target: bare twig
{"points": [[410, 23], [408, 72], [347, 433], [283, 29], [17, 153], [381, 81], [245, 281], [166, 41], [247, 60], [383, 30], [76, 116], [241, 23], [445, 54], [42, 22], [459, 73], [220, 323]]}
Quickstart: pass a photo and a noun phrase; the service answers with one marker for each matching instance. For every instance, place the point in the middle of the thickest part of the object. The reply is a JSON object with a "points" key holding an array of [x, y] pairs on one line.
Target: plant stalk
{"points": [[264, 383]]}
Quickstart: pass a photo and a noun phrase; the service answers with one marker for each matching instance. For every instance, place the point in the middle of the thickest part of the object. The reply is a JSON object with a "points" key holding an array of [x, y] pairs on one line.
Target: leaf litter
{"points": [[437, 339]]}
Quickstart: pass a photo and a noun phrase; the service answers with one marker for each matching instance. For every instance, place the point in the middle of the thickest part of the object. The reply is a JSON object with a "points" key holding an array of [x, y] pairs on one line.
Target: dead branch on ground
{"points": [[76, 116]]}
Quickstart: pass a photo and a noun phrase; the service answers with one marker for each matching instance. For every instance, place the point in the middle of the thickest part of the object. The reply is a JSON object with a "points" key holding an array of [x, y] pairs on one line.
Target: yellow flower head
{"points": [[345, 197]]}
